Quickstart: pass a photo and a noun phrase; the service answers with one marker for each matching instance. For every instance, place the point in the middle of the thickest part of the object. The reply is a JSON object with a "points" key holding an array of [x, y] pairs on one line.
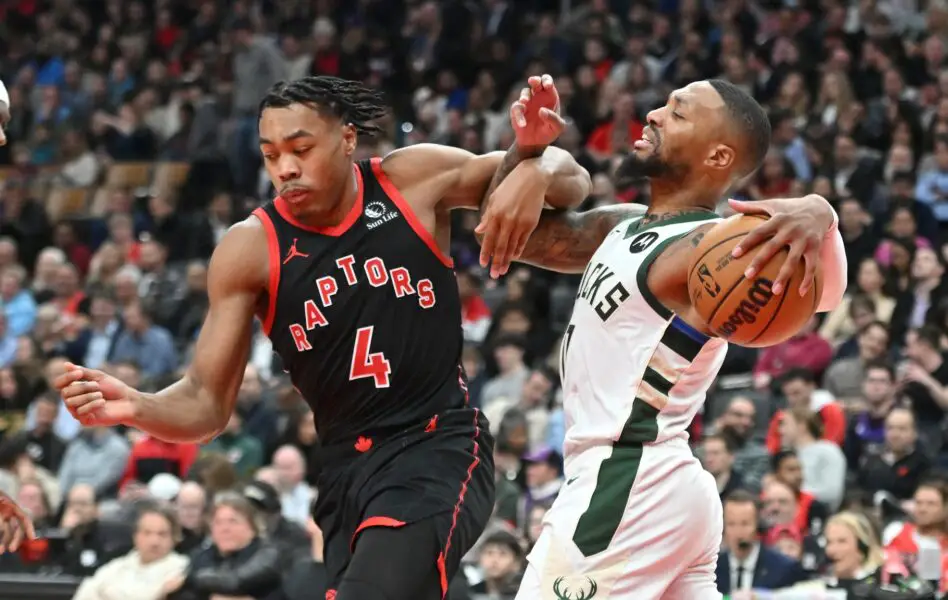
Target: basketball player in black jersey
{"points": [[15, 523], [348, 271]]}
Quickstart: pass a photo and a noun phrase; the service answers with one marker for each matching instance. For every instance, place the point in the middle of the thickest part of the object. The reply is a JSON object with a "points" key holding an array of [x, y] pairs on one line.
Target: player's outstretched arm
{"points": [[197, 407], [564, 240]]}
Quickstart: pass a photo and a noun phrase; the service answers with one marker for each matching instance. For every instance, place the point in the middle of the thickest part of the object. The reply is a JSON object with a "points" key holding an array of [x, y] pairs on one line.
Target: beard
{"points": [[634, 168]]}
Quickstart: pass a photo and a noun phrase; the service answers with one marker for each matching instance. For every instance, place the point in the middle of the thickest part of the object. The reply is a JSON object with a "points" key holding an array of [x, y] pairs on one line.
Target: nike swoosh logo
{"points": [[571, 480]]}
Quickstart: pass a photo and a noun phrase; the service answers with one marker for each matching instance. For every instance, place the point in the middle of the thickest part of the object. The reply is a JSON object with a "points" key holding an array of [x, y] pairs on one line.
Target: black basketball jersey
{"points": [[365, 315]]}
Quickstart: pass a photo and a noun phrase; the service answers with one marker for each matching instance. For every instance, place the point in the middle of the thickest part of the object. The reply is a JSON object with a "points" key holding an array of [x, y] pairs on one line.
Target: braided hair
{"points": [[349, 101]]}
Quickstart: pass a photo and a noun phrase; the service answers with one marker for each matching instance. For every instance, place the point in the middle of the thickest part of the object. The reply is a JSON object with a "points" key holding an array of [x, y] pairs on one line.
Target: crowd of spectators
{"points": [[132, 149]]}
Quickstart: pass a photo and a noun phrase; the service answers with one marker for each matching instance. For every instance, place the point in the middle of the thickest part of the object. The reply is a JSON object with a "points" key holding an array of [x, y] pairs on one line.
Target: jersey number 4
{"points": [[369, 364]]}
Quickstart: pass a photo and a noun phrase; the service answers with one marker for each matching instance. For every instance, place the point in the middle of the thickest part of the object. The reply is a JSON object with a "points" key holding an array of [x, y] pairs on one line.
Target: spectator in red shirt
{"points": [[928, 534], [617, 135], [799, 388], [806, 349], [811, 514], [475, 314], [151, 456]]}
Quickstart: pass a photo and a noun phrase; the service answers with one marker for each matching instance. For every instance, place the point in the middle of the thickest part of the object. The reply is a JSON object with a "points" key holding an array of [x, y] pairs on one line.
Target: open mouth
{"points": [[646, 142]]}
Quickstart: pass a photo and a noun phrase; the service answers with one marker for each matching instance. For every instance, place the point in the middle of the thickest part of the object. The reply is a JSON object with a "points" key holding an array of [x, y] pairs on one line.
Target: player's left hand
{"points": [[797, 223], [15, 525], [512, 213], [535, 115]]}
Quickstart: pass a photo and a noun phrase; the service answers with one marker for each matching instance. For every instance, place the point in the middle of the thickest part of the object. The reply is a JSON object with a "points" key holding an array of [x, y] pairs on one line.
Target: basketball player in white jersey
{"points": [[15, 524], [638, 518]]}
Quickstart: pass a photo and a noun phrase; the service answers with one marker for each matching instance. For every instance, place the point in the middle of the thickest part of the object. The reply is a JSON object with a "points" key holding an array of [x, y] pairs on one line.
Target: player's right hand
{"points": [[15, 525], [535, 115], [95, 398]]}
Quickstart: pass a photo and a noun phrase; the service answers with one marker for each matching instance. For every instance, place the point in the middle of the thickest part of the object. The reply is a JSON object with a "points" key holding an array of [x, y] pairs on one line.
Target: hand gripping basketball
{"points": [[797, 223], [535, 115]]}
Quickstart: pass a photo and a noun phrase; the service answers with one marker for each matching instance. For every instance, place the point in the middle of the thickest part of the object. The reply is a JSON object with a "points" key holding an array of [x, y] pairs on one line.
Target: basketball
{"points": [[743, 311]]}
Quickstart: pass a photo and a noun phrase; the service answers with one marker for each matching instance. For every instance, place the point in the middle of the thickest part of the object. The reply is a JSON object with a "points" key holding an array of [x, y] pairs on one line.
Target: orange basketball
{"points": [[744, 311]]}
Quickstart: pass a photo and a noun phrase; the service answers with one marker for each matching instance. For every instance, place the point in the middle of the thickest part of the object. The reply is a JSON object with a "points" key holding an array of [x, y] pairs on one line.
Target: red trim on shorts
{"points": [[395, 196], [374, 522], [336, 230], [273, 254], [442, 567]]}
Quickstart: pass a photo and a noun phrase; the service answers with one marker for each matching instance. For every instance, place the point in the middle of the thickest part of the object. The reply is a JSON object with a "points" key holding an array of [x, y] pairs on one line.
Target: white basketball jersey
{"points": [[633, 372]]}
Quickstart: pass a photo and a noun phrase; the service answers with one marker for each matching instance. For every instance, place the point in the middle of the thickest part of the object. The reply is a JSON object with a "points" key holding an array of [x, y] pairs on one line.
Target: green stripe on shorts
{"points": [[598, 525]]}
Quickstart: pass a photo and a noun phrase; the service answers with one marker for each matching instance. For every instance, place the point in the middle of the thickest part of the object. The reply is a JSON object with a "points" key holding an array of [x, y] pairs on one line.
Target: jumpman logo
{"points": [[293, 253]]}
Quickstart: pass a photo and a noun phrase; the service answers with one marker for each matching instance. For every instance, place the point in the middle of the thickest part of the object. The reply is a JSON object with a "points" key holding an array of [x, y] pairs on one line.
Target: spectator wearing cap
{"points": [[866, 431], [501, 564], [290, 537], [900, 465], [146, 572], [239, 561], [718, 459], [745, 563], [544, 475]]}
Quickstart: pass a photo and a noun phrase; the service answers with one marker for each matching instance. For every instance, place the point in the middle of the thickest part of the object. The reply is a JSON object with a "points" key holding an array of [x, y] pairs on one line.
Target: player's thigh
{"points": [[394, 564], [530, 585]]}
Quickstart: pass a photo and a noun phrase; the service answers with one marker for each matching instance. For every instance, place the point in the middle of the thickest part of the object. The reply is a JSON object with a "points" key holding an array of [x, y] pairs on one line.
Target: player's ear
{"points": [[349, 138], [721, 157]]}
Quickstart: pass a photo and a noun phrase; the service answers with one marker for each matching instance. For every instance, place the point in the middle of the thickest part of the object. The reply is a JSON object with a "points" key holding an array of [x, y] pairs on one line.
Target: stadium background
{"points": [[132, 149]]}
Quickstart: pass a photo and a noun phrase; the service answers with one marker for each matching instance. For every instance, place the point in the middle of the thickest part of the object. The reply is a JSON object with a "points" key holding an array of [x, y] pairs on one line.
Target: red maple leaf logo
{"points": [[363, 444], [330, 594], [432, 424]]}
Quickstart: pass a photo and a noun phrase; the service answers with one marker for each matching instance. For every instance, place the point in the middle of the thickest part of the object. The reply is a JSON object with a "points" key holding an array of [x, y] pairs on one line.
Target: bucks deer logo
{"points": [[584, 592]]}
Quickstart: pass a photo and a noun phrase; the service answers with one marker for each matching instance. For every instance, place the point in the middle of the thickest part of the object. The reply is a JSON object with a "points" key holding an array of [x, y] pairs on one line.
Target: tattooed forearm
{"points": [[564, 240]]}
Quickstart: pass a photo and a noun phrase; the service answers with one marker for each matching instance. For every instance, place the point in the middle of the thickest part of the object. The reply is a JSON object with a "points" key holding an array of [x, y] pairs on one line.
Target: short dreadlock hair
{"points": [[350, 101], [750, 122]]}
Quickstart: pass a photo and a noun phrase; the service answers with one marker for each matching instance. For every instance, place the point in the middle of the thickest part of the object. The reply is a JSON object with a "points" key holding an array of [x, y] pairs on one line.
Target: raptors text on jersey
{"points": [[365, 315]]}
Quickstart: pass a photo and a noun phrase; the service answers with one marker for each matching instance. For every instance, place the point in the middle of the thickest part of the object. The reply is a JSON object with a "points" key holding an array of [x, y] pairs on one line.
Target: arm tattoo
{"points": [[665, 216], [564, 241]]}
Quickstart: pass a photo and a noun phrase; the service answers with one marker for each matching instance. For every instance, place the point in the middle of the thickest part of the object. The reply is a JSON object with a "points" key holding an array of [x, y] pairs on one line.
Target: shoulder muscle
{"points": [[240, 263], [441, 175]]}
